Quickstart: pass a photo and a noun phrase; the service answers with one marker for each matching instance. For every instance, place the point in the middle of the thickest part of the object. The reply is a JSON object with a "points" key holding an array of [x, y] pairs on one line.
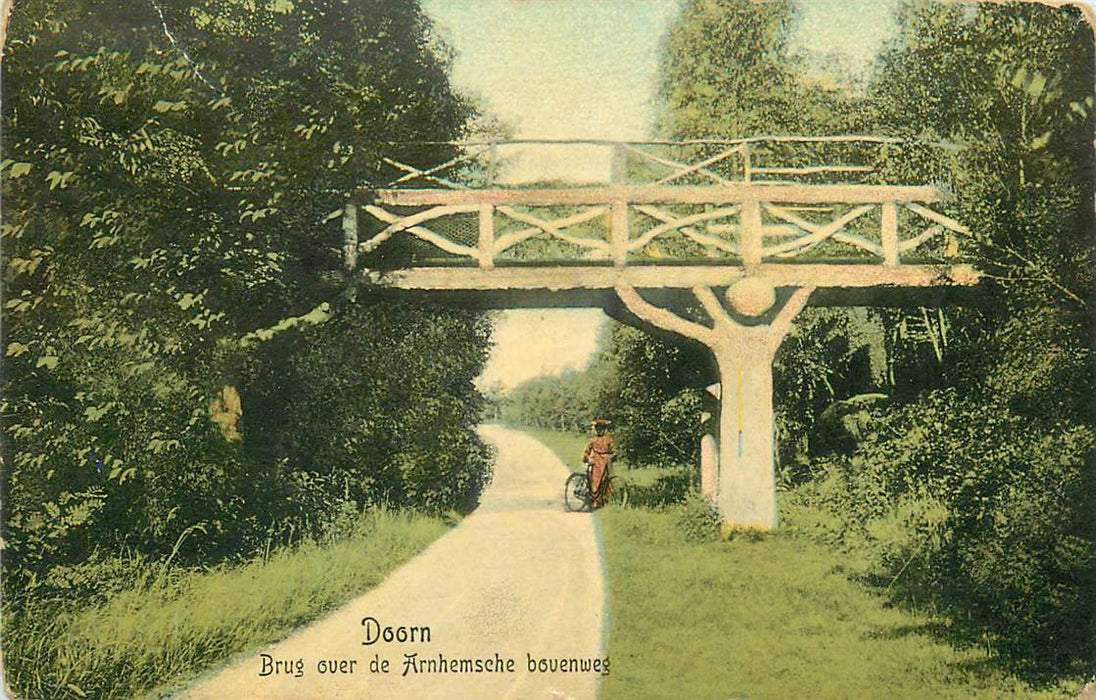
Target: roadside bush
{"points": [[697, 519], [666, 489], [974, 510]]}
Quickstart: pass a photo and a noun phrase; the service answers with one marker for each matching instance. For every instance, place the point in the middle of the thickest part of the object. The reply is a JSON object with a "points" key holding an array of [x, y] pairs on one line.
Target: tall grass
{"points": [[173, 626], [693, 615], [767, 616]]}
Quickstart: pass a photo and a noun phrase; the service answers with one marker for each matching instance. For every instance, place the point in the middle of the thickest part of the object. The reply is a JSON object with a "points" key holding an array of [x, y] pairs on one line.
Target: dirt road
{"points": [[519, 579]]}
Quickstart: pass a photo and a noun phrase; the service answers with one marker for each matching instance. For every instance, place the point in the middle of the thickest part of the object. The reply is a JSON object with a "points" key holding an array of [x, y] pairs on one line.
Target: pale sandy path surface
{"points": [[519, 576]]}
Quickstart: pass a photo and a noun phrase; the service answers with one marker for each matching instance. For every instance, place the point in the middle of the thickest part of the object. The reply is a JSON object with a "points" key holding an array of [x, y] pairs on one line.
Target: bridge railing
{"points": [[562, 163], [714, 202]]}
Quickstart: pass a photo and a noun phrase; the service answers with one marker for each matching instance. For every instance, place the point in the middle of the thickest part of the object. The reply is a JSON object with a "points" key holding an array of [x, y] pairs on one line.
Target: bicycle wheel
{"points": [[618, 492], [576, 493]]}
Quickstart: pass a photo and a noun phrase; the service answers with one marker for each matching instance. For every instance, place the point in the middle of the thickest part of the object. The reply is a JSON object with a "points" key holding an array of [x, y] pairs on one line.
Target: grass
{"points": [[764, 616], [148, 641]]}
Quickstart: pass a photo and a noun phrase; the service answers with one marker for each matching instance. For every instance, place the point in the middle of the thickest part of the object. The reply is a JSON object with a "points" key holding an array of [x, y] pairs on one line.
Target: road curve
{"points": [[520, 577]]}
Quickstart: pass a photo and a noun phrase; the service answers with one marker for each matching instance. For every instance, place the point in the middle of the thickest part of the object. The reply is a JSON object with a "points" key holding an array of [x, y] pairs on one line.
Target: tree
{"points": [[726, 71], [172, 176], [986, 480]]}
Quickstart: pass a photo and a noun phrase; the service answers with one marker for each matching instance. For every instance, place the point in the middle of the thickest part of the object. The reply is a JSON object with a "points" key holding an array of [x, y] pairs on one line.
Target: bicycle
{"points": [[579, 497]]}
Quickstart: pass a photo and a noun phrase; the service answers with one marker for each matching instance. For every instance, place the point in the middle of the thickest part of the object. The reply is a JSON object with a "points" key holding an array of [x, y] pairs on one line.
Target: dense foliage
{"points": [[186, 372], [951, 447], [984, 489]]}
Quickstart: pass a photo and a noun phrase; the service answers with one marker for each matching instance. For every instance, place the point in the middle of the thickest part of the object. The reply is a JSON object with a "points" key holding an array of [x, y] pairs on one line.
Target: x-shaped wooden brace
{"points": [[683, 169], [682, 223], [818, 233], [429, 174], [552, 227], [411, 223]]}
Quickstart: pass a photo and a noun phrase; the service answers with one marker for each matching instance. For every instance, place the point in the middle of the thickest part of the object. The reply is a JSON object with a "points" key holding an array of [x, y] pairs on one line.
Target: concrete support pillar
{"points": [[746, 493], [745, 490], [709, 467]]}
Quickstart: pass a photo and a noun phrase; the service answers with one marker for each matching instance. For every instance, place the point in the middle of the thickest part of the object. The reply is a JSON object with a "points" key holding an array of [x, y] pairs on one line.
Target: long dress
{"points": [[599, 455]]}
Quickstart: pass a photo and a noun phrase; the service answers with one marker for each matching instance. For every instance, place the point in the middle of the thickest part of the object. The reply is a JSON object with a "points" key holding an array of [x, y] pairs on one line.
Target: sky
{"points": [[559, 69]]}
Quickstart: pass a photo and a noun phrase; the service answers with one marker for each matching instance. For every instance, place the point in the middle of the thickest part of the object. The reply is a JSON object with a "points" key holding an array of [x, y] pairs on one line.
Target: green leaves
{"points": [[164, 106], [159, 248], [16, 170], [59, 180], [47, 361]]}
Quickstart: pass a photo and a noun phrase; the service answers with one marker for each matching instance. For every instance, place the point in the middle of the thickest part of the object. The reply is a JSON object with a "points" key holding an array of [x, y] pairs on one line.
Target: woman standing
{"points": [[598, 457]]}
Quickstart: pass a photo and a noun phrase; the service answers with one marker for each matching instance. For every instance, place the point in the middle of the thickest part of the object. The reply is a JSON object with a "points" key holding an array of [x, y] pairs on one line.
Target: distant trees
{"points": [[726, 70], [567, 401]]}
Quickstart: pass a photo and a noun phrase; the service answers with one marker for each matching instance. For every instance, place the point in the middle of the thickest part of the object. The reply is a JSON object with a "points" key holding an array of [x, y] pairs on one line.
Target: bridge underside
{"points": [[593, 285]]}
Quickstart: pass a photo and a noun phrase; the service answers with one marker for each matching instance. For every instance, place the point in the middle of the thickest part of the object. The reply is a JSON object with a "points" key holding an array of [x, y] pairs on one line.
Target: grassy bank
{"points": [[160, 636], [763, 617]]}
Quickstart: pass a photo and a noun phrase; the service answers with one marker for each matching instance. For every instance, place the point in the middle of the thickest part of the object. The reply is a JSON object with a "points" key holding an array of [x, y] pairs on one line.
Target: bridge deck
{"points": [[669, 276]]}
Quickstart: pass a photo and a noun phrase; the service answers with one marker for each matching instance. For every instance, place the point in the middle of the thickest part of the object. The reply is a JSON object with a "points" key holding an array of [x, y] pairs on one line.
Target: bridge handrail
{"points": [[477, 163]]}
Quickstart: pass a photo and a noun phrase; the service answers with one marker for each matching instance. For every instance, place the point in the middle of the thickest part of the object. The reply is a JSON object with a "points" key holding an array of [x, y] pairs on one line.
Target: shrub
{"points": [[697, 519], [973, 509]]}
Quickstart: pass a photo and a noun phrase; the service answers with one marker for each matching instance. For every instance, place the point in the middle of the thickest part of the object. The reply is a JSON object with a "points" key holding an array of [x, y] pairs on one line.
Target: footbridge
{"points": [[720, 241]]}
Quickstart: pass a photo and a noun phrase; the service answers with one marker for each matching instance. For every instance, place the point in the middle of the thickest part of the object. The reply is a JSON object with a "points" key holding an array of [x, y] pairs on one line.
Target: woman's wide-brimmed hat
{"points": [[601, 421]]}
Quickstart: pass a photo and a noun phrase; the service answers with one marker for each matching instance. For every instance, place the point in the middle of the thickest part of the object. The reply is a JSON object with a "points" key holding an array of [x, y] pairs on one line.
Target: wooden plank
{"points": [[889, 235], [486, 236], [715, 194], [945, 221], [672, 276]]}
